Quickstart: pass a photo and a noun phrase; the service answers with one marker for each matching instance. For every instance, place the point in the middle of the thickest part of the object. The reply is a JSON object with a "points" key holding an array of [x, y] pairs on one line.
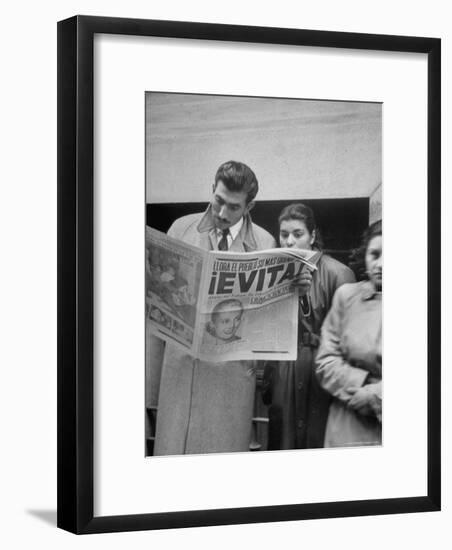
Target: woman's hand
{"points": [[303, 282], [366, 400]]}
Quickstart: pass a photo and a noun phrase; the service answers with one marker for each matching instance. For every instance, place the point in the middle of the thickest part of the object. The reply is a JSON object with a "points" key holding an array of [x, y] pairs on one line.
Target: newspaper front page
{"points": [[224, 306]]}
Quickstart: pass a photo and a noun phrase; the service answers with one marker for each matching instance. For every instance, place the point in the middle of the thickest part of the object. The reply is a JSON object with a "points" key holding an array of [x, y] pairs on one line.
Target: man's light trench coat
{"points": [[205, 407]]}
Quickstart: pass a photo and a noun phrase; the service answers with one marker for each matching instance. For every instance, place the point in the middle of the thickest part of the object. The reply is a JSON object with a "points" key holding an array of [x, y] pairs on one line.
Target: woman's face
{"points": [[374, 262], [227, 322], [294, 233]]}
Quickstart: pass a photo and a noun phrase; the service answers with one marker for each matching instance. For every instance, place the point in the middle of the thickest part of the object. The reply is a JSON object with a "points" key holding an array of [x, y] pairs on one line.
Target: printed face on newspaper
{"points": [[224, 306]]}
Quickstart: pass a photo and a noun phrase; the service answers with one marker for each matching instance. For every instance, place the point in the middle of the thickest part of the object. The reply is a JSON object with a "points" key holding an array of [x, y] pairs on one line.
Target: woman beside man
{"points": [[298, 405]]}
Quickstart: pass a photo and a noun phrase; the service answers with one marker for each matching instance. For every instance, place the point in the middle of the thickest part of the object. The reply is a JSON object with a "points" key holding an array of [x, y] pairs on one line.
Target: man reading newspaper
{"points": [[207, 406]]}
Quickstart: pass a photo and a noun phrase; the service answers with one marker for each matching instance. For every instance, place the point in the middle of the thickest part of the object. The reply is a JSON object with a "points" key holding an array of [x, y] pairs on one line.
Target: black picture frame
{"points": [[76, 265]]}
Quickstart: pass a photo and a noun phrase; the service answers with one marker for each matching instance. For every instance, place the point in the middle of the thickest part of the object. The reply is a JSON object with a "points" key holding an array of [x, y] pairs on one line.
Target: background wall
{"points": [[28, 274], [297, 149], [375, 203]]}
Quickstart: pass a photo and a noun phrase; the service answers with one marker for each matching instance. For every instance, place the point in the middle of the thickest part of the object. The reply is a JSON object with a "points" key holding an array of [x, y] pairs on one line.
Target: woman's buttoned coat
{"points": [[349, 357]]}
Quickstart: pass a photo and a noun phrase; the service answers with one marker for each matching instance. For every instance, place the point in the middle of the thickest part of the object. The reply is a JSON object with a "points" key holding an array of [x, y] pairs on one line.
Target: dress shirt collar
{"points": [[234, 230], [249, 242]]}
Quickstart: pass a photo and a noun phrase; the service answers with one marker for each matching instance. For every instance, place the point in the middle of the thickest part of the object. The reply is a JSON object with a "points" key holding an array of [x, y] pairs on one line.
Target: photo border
{"points": [[76, 259]]}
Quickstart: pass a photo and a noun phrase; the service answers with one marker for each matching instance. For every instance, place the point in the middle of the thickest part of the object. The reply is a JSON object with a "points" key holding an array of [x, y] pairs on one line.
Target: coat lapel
{"points": [[244, 242]]}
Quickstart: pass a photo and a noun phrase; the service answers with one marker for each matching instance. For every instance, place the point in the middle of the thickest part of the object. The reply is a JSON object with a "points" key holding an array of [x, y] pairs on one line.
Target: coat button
{"points": [[300, 385], [300, 423]]}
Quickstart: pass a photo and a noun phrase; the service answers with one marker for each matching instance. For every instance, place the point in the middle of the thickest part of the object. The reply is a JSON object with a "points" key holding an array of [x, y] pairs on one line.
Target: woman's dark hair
{"points": [[374, 230], [299, 211], [357, 258]]}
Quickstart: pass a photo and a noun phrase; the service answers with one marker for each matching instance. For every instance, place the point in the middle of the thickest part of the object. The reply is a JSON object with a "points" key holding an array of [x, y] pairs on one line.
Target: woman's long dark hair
{"points": [[357, 258], [299, 211]]}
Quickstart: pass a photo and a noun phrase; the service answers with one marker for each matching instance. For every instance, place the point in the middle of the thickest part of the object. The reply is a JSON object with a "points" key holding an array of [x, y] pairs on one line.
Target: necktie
{"points": [[223, 243]]}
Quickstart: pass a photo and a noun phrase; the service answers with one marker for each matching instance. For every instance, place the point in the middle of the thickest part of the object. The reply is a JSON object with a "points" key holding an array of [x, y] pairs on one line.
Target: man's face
{"points": [[228, 206], [227, 322]]}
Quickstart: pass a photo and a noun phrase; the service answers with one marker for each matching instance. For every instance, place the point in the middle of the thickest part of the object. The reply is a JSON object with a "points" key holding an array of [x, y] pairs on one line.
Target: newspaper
{"points": [[224, 306]]}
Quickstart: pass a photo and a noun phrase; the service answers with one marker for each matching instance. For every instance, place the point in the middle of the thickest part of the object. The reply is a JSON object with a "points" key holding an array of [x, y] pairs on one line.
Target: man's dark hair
{"points": [[237, 177]]}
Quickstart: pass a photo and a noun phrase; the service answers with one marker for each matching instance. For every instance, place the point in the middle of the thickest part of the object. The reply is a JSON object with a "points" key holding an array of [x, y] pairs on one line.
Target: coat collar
{"points": [[207, 224], [368, 291]]}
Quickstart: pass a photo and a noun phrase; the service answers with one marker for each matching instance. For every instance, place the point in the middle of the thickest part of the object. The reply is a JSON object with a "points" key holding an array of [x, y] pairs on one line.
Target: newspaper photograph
{"points": [[224, 305], [173, 277]]}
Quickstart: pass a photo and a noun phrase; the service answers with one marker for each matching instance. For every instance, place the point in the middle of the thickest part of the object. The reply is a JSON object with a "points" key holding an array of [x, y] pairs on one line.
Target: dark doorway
{"points": [[341, 221]]}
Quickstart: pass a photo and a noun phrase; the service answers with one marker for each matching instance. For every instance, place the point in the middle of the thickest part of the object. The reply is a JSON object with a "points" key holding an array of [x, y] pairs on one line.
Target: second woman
{"points": [[298, 405]]}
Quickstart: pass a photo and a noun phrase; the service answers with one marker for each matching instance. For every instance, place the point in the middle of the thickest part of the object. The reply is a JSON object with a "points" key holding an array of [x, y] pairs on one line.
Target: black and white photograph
{"points": [[285, 196]]}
